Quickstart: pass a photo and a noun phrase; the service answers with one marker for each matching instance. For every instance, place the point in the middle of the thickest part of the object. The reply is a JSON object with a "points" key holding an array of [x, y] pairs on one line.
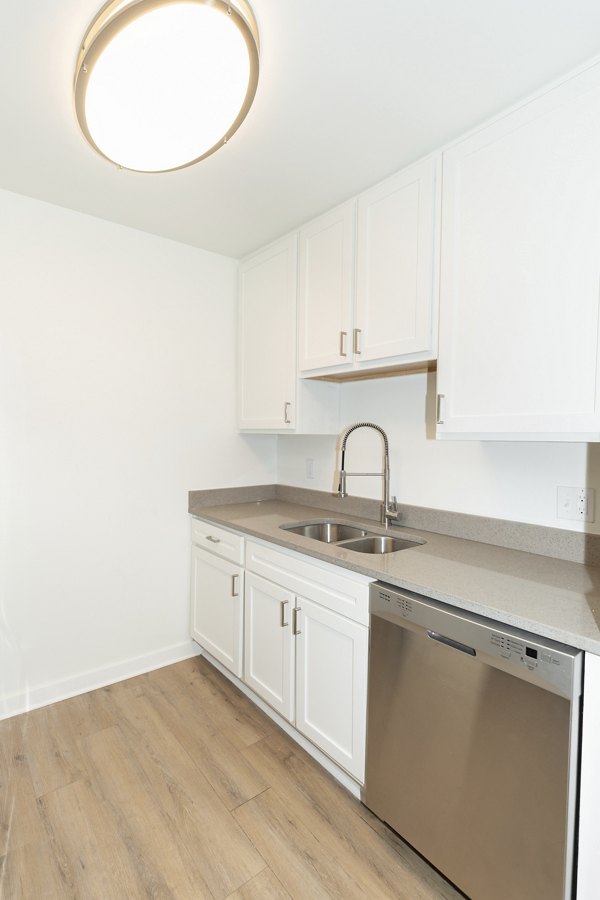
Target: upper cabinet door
{"points": [[520, 272], [326, 289], [395, 267], [267, 338]]}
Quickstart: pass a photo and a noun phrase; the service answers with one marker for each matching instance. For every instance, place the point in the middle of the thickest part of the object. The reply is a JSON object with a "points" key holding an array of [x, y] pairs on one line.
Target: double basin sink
{"points": [[352, 537]]}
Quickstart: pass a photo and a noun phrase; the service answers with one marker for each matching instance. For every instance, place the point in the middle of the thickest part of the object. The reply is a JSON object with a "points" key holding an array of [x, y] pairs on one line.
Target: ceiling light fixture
{"points": [[162, 84]]}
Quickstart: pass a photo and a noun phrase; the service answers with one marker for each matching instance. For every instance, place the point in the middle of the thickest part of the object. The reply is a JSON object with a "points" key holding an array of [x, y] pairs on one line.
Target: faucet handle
{"points": [[393, 504]]}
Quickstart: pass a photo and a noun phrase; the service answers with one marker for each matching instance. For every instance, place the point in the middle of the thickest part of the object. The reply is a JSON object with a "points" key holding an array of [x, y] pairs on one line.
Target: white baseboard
{"points": [[32, 697]]}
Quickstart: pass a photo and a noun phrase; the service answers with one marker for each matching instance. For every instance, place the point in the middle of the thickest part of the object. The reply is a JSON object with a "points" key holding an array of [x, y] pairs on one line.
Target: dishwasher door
{"points": [[472, 744]]}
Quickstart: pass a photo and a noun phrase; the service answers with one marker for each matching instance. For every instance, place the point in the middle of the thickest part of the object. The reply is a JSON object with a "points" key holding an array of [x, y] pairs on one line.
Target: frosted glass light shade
{"points": [[161, 84]]}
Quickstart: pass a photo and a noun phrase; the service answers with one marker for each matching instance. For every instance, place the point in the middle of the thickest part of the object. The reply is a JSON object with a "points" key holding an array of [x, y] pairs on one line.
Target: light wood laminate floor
{"points": [[174, 785]]}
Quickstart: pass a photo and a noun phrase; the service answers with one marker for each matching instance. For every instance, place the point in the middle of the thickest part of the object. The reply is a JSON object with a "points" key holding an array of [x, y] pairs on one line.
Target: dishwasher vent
{"points": [[398, 602], [403, 604]]}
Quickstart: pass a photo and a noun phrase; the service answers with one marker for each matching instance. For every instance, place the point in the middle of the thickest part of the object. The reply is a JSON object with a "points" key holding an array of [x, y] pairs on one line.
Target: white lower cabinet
{"points": [[217, 596], [268, 643], [331, 683], [304, 659], [293, 629]]}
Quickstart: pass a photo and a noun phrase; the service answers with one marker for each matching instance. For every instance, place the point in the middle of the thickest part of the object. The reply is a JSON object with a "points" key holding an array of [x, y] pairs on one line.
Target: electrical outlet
{"points": [[310, 468], [576, 504], [586, 503]]}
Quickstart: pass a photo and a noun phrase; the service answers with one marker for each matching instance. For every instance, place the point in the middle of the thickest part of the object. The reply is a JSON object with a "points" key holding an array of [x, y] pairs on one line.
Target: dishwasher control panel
{"points": [[530, 654], [537, 659]]}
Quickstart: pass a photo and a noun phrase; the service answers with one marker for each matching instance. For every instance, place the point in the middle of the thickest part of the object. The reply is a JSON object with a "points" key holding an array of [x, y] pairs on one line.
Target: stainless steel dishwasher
{"points": [[472, 746]]}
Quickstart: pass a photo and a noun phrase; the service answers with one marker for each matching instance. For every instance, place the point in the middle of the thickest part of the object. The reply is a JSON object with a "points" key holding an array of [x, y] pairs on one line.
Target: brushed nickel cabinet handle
{"points": [[234, 592], [282, 606], [343, 336], [295, 629], [286, 413], [357, 334], [212, 539], [438, 414]]}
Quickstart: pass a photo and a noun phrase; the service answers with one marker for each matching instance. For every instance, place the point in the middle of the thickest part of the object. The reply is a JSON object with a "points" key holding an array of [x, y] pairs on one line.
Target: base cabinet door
{"points": [[268, 643], [217, 607], [331, 683]]}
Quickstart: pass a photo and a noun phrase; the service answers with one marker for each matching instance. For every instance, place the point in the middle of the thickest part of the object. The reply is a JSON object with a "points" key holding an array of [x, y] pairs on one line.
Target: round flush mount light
{"points": [[161, 84]]}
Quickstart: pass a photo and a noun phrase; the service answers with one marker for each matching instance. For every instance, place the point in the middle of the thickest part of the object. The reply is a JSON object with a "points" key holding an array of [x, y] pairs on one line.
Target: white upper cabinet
{"points": [[267, 338], [520, 272], [395, 267], [369, 301], [270, 396], [326, 289]]}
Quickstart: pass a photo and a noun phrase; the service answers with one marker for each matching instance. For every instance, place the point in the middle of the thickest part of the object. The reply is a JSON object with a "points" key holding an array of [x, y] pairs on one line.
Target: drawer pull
{"points": [[213, 540], [357, 334], [295, 629], [282, 606], [234, 592], [286, 413]]}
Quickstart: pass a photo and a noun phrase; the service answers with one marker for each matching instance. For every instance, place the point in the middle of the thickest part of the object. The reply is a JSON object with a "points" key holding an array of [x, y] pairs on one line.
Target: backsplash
{"points": [[510, 480], [554, 542]]}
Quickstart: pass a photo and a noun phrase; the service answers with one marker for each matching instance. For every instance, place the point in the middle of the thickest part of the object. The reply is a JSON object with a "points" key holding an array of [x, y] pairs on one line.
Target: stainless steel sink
{"points": [[352, 537], [379, 543], [329, 532]]}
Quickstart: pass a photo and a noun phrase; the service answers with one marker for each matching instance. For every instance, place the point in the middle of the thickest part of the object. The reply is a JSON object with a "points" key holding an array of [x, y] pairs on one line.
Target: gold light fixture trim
{"points": [[164, 109]]}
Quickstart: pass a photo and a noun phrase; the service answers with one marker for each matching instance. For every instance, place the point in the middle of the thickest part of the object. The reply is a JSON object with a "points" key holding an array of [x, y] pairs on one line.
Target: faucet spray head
{"points": [[342, 484]]}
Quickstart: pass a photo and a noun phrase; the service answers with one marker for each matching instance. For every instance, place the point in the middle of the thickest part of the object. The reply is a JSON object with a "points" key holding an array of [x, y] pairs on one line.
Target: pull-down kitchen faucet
{"points": [[389, 507]]}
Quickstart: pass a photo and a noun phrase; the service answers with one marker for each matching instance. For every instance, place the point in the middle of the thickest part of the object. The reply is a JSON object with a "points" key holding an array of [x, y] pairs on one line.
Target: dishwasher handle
{"points": [[442, 639]]}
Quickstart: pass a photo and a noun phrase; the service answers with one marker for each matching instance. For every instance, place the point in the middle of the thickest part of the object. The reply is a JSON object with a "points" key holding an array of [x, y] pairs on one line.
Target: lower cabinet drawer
{"points": [[336, 589], [218, 540]]}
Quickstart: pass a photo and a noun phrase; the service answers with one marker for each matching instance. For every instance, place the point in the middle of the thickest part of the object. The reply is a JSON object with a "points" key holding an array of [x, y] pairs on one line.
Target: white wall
{"points": [[505, 480], [117, 358]]}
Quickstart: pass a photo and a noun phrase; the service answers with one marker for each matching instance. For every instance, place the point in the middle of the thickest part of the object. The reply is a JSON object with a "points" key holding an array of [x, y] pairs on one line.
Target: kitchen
{"points": [[118, 355]]}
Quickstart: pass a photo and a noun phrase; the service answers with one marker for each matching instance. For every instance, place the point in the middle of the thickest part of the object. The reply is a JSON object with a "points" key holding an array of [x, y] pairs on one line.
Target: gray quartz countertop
{"points": [[554, 598]]}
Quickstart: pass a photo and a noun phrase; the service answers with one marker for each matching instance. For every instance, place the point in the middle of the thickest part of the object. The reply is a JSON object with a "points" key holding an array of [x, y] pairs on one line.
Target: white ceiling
{"points": [[349, 92]]}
